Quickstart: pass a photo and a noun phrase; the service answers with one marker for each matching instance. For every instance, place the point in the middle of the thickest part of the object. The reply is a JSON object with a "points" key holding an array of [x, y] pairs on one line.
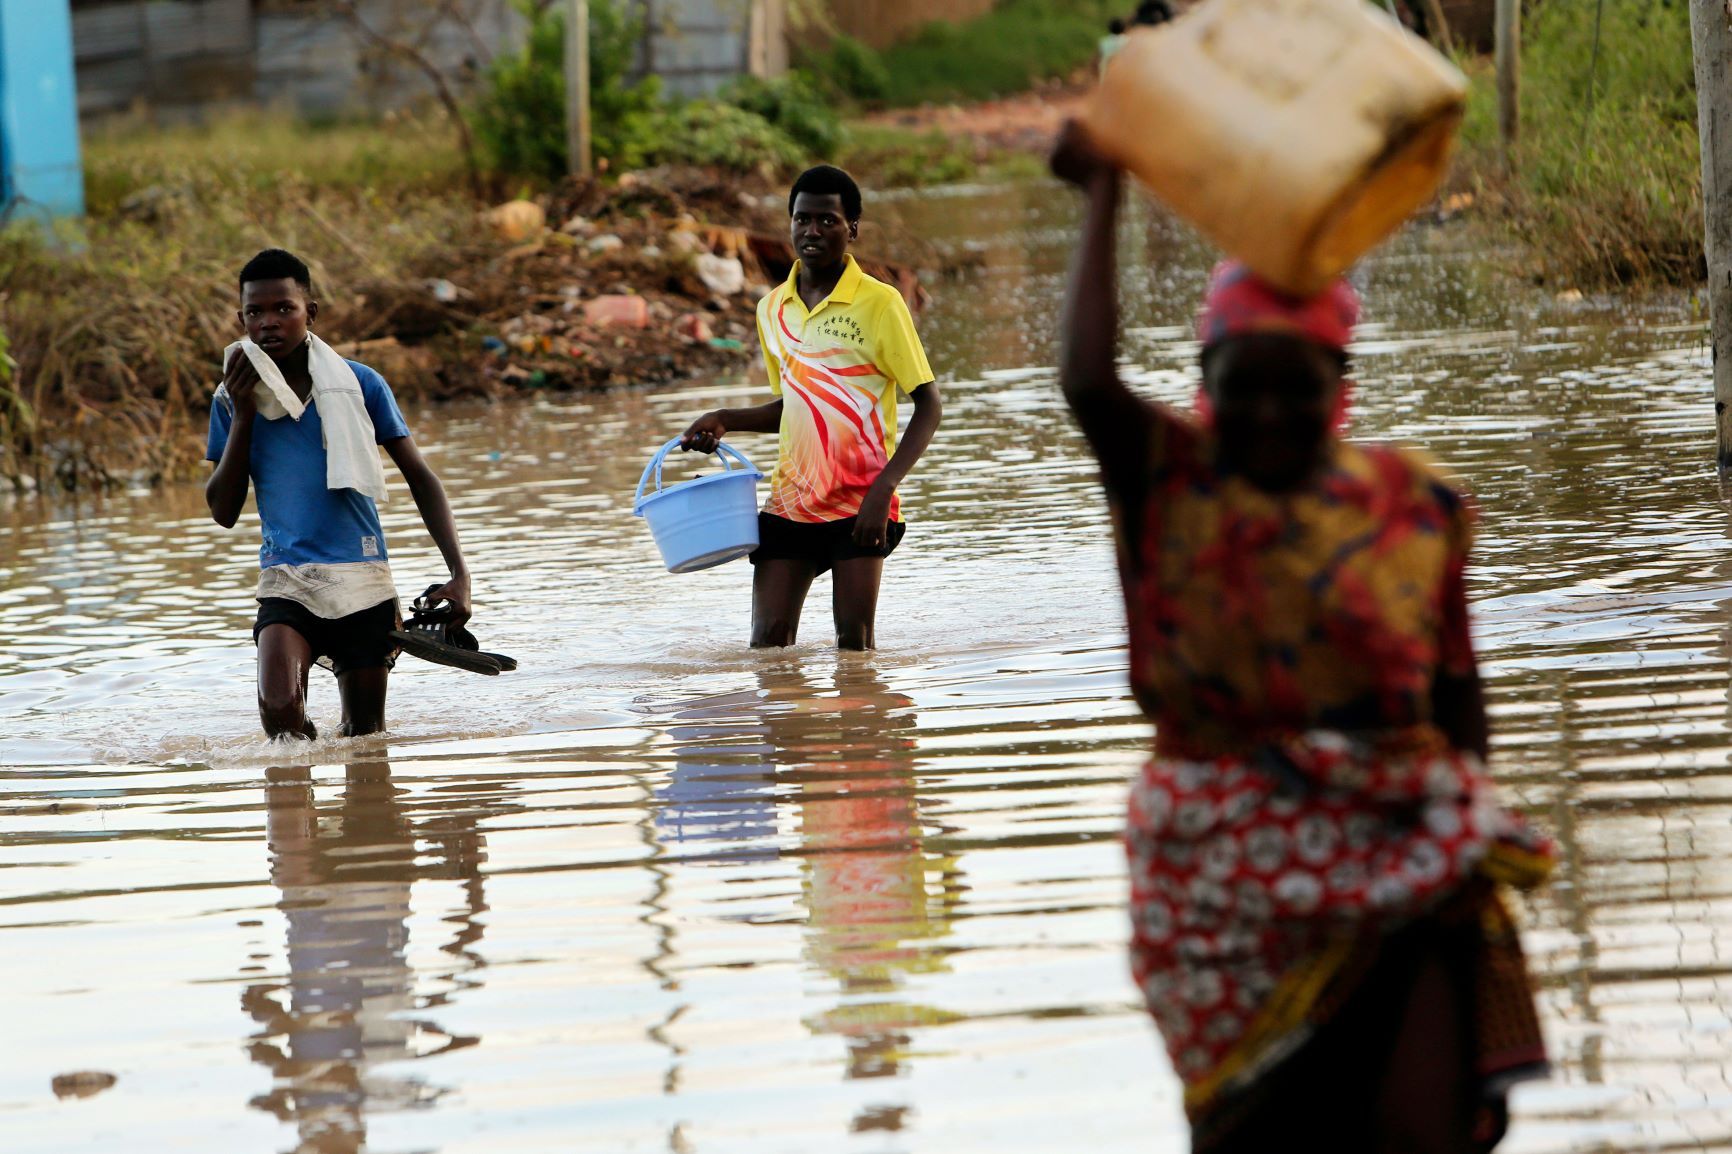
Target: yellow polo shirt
{"points": [[837, 369]]}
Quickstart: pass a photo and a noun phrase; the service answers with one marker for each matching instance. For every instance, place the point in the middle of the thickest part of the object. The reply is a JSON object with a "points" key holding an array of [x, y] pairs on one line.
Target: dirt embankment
{"points": [[653, 279], [1025, 123]]}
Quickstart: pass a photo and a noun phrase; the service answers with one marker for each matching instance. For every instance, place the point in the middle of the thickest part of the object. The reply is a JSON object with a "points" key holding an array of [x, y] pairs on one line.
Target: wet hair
{"points": [[1153, 12], [828, 180], [1116, 26], [278, 264]]}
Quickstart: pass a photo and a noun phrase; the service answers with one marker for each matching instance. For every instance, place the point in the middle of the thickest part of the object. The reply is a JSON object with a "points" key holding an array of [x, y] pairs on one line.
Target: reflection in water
{"points": [[345, 874], [866, 873], [719, 798], [876, 901]]}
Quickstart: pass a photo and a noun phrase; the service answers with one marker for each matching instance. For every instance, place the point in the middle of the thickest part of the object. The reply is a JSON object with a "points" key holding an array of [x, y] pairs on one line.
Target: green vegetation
{"points": [[849, 70], [1008, 50], [794, 105], [718, 135], [136, 168], [888, 157], [1608, 177], [519, 117]]}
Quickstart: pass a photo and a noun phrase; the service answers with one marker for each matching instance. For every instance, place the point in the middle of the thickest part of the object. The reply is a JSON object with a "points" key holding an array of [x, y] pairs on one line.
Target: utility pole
{"points": [[577, 149], [1509, 69], [1711, 34]]}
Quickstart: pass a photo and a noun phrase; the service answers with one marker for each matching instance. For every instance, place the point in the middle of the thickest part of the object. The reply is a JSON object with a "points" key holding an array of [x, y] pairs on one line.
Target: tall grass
{"points": [[1016, 45], [1609, 182], [115, 329]]}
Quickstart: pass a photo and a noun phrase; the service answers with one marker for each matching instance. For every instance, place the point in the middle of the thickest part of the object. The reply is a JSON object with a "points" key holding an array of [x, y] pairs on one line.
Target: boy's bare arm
{"points": [[874, 515], [435, 510], [708, 430]]}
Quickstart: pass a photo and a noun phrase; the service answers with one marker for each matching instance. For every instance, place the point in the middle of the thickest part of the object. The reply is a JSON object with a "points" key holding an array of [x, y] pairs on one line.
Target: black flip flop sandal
{"points": [[430, 635]]}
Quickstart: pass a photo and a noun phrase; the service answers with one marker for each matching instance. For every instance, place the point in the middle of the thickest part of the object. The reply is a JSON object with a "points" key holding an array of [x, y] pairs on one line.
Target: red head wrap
{"points": [[1241, 302]]}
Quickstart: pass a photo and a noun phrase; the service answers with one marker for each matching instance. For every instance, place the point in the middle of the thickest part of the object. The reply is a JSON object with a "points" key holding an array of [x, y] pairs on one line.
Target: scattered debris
{"points": [[624, 310], [694, 327], [517, 220], [651, 280], [722, 275], [82, 1083], [1454, 205]]}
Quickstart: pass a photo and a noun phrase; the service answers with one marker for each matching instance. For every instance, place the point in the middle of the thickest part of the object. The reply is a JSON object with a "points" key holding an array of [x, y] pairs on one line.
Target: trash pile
{"points": [[651, 280]]}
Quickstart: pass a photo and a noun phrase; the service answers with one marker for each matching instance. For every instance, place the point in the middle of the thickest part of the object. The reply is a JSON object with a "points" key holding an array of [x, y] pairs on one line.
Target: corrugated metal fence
{"points": [[696, 46], [190, 53]]}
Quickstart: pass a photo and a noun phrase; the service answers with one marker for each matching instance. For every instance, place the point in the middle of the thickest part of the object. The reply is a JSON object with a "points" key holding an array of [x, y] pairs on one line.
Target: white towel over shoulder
{"points": [[351, 450]]}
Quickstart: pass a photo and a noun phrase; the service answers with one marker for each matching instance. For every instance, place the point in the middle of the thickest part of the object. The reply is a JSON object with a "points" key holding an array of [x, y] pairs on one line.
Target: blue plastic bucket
{"points": [[704, 522]]}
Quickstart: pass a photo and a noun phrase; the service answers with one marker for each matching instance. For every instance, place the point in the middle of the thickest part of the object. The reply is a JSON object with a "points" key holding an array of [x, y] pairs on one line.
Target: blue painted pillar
{"points": [[40, 172]]}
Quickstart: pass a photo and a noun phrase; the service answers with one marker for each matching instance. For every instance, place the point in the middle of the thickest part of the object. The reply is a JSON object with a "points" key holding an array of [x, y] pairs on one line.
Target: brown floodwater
{"points": [[655, 892]]}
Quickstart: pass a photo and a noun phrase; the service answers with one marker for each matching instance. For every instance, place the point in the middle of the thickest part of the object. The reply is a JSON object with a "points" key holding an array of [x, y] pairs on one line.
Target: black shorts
{"points": [[359, 641], [823, 543]]}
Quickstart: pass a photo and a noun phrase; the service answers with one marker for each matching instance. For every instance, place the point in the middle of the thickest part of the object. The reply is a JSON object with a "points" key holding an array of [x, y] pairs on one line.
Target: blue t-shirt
{"points": [[302, 522]]}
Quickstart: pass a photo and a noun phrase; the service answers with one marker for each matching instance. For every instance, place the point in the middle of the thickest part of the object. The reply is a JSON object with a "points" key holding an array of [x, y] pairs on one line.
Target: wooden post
{"points": [[1437, 24], [577, 148], [1509, 67], [1711, 34]]}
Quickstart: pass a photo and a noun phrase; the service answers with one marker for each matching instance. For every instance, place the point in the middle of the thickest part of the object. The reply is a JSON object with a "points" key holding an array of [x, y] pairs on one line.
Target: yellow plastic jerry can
{"points": [[1295, 134]]}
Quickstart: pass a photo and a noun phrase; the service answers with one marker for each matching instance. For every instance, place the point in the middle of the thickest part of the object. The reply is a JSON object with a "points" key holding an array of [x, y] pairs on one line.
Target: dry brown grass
{"points": [[1608, 188], [117, 330], [116, 326]]}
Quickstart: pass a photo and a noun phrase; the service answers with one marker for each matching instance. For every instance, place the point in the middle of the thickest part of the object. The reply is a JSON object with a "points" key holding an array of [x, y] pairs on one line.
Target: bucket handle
{"points": [[722, 451]]}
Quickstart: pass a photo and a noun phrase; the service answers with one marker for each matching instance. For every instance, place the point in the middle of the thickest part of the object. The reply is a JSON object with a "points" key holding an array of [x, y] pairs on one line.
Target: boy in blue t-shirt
{"points": [[325, 586]]}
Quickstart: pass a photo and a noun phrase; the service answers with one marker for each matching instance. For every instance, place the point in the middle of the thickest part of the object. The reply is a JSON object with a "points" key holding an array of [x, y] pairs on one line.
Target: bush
{"points": [[848, 70], [619, 111], [519, 117], [704, 132], [1017, 44], [900, 158], [1609, 177], [793, 104]]}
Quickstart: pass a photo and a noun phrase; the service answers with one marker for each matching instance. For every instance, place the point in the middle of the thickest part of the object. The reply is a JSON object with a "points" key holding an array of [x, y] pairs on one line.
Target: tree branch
{"points": [[350, 11]]}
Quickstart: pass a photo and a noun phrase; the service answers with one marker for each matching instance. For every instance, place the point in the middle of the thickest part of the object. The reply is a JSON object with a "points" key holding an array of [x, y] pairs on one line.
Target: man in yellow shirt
{"points": [[838, 346]]}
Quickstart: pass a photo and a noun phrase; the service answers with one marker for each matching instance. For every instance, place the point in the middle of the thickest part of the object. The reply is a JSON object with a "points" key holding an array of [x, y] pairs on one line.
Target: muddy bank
{"points": [[651, 280], [594, 286]]}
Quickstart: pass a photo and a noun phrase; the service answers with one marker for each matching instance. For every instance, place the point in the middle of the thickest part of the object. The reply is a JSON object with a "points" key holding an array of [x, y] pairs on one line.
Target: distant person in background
{"points": [[1315, 846], [1111, 42], [1152, 12], [839, 346]]}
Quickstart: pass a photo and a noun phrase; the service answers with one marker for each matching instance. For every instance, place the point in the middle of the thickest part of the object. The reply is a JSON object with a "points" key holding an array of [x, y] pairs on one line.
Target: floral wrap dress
{"points": [[1301, 803]]}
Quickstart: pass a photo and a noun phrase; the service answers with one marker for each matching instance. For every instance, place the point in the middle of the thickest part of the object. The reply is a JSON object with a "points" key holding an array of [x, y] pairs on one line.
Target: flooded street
{"points": [[656, 892]]}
